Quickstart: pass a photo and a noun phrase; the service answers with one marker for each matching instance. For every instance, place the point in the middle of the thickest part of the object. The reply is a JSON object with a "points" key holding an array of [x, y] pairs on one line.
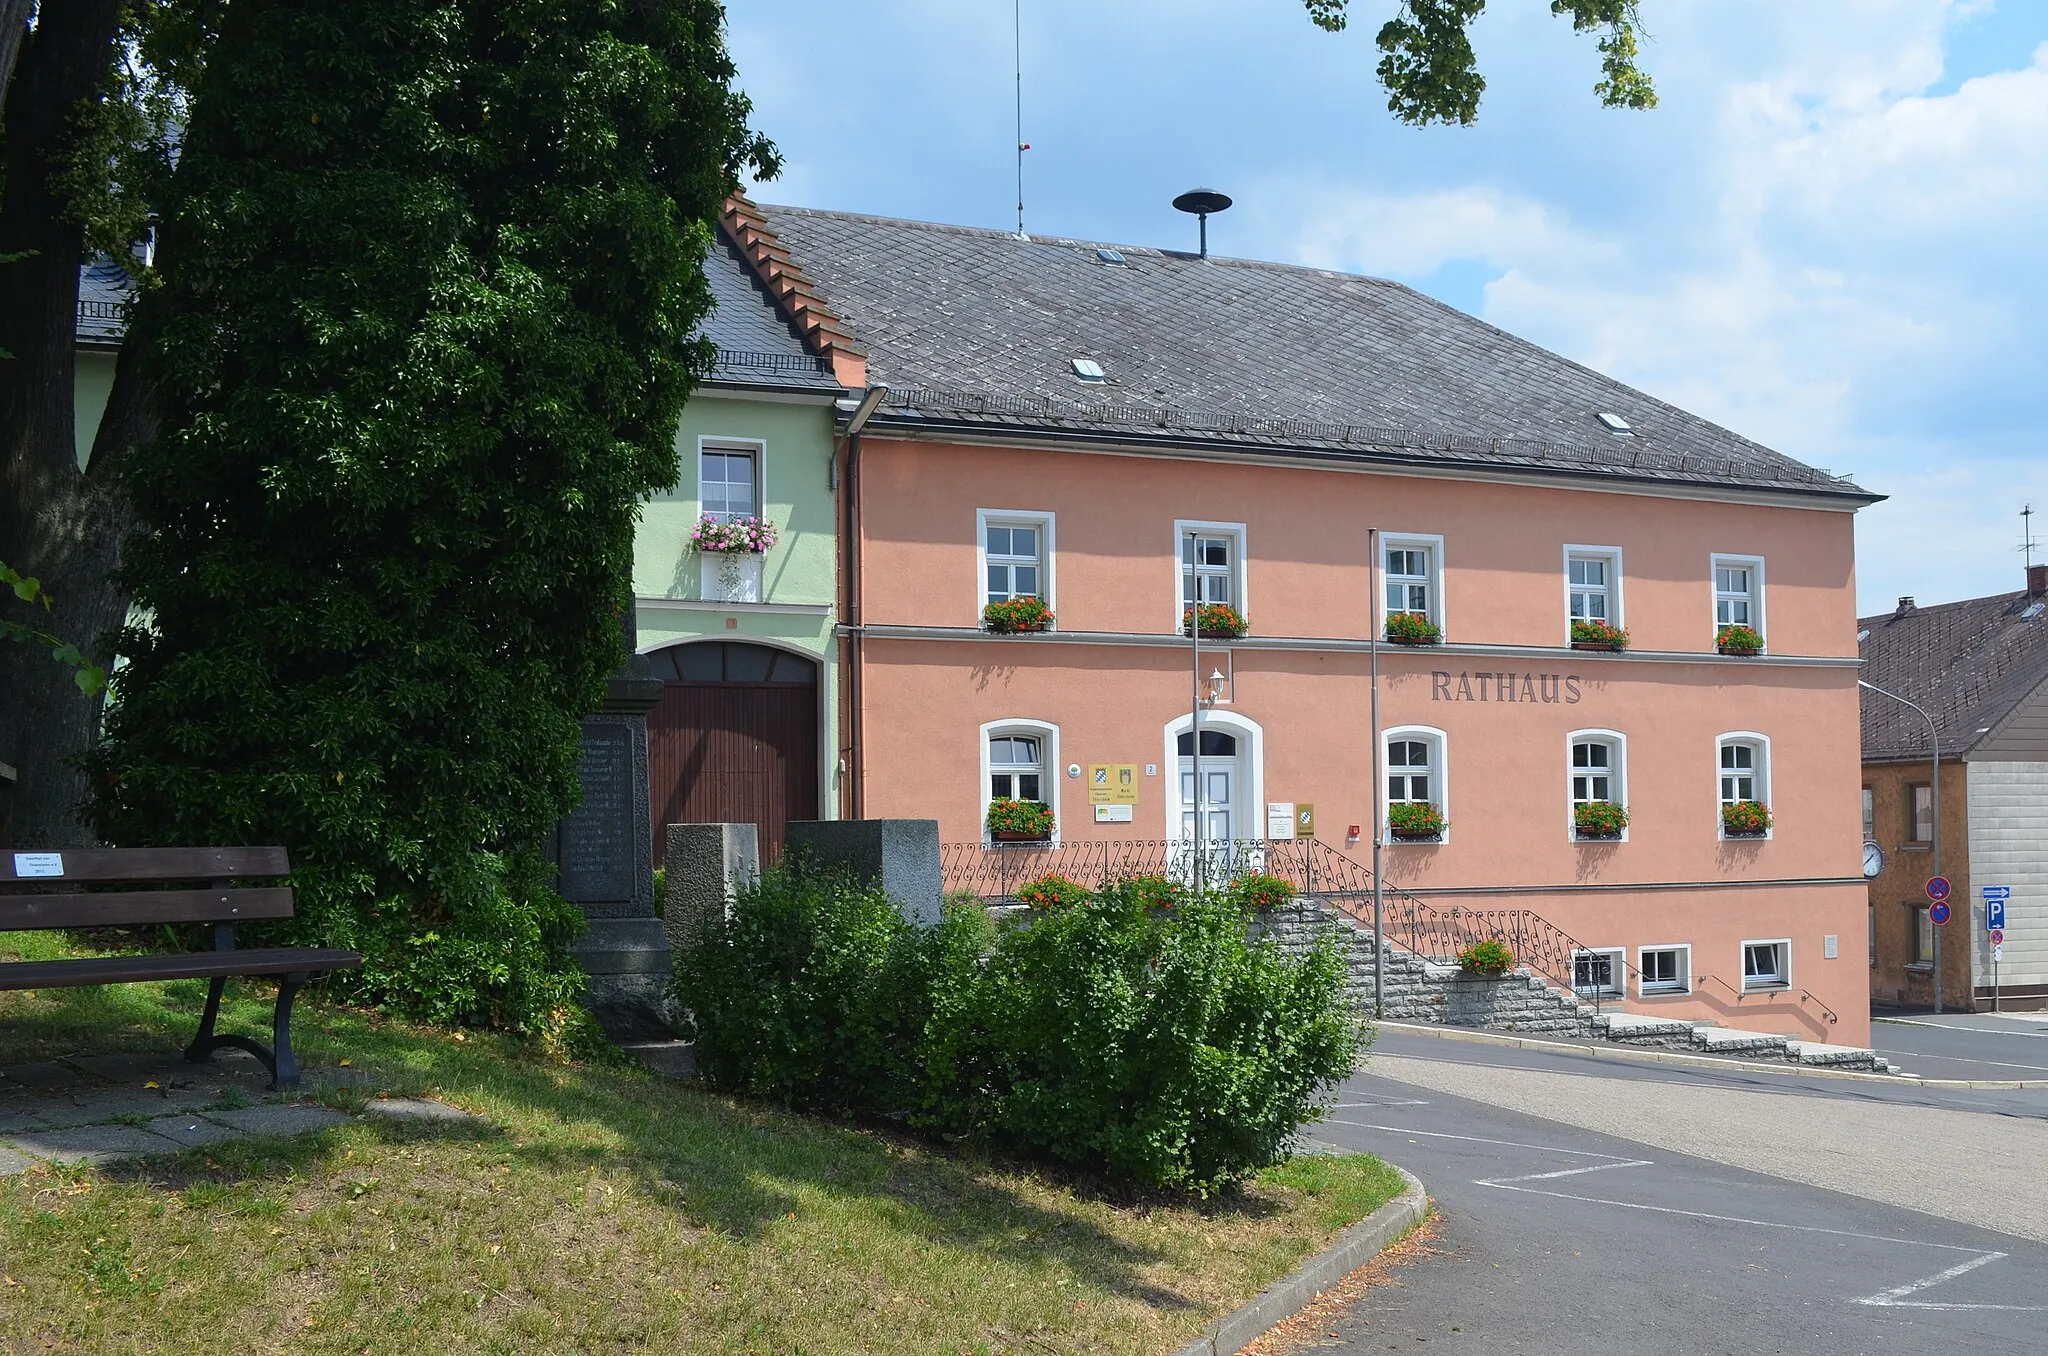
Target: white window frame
{"points": [[1612, 556], [1047, 555], [1763, 770], [1617, 971], [753, 447], [1240, 574], [1048, 736], [1617, 779], [1440, 769], [1869, 815], [1755, 566], [1645, 988], [1784, 980], [1413, 541]]}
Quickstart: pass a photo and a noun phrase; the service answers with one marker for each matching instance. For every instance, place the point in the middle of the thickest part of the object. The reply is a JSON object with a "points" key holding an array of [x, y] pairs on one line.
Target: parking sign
{"points": [[1994, 906]]}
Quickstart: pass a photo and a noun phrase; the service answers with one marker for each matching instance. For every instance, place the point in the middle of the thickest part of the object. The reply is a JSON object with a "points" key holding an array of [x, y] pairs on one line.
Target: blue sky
{"points": [[1828, 237]]}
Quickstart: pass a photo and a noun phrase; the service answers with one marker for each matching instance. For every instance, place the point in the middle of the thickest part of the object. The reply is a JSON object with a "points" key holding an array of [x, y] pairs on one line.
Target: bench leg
{"points": [[284, 1070], [200, 1051]]}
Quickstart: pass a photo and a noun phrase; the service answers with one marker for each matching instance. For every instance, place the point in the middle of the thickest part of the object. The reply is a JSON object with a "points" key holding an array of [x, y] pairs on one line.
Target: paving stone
{"points": [[418, 1109], [90, 1143], [129, 1069], [279, 1120], [192, 1130], [49, 1074], [11, 1163]]}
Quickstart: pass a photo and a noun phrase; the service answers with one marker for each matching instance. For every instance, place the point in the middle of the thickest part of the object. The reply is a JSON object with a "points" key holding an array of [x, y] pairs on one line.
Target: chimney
{"points": [[1905, 605], [2037, 580]]}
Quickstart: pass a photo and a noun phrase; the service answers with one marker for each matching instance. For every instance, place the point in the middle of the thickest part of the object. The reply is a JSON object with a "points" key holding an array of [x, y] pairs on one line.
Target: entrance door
{"points": [[1217, 801], [734, 740]]}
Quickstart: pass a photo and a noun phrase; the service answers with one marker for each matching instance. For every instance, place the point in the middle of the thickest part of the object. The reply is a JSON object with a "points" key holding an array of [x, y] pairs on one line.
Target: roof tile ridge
{"points": [[801, 302]]}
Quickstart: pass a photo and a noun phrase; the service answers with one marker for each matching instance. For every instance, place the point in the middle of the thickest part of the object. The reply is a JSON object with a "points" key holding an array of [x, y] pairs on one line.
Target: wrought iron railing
{"points": [[1765, 995], [995, 871]]}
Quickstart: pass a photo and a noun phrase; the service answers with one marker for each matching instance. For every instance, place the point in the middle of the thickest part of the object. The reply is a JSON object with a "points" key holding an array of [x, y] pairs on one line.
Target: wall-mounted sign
{"points": [[1280, 819], [1466, 686], [1112, 783], [1304, 821], [1113, 814]]}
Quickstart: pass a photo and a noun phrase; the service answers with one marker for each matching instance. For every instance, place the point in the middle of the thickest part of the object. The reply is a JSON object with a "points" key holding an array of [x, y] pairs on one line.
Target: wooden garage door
{"points": [[734, 740]]}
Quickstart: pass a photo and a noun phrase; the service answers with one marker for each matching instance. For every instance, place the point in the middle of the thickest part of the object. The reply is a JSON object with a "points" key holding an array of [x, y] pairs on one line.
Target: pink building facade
{"points": [[1116, 519]]}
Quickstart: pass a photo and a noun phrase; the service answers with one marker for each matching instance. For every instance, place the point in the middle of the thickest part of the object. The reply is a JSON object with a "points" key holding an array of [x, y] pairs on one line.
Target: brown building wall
{"points": [[1896, 976]]}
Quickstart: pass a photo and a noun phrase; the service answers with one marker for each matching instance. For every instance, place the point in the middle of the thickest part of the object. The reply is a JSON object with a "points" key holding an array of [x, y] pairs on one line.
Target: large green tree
{"points": [[430, 271]]}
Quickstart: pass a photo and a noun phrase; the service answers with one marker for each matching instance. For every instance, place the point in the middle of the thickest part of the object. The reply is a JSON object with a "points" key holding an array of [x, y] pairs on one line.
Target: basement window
{"points": [[1665, 969], [1597, 974], [1766, 965]]}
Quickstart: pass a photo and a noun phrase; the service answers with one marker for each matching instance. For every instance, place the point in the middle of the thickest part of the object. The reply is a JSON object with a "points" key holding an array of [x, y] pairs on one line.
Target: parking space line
{"points": [[1473, 1139], [1895, 1298]]}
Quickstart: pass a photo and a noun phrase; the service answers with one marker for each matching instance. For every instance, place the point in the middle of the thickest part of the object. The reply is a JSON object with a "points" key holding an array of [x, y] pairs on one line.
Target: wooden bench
{"points": [[54, 899]]}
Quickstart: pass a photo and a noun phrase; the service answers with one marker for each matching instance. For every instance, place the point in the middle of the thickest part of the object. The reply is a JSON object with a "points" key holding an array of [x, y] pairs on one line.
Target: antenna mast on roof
{"points": [[2027, 542], [1017, 50]]}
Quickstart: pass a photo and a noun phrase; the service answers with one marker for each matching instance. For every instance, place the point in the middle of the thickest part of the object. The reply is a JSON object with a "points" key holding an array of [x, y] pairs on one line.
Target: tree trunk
{"points": [[57, 523]]}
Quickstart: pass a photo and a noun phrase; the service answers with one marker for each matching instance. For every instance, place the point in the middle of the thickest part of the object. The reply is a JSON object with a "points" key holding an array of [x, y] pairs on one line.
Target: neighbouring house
{"points": [[1115, 435], [1979, 670], [746, 731]]}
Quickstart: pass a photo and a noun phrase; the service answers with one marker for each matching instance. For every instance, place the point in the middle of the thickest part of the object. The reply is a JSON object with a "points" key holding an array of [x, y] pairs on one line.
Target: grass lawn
{"points": [[599, 1209]]}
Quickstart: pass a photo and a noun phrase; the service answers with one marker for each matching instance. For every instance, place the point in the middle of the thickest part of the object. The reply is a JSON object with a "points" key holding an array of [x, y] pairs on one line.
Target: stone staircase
{"points": [[1418, 989]]}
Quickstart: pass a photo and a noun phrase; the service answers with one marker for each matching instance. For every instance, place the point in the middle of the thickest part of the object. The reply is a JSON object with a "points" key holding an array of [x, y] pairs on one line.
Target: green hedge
{"points": [[1167, 1050]]}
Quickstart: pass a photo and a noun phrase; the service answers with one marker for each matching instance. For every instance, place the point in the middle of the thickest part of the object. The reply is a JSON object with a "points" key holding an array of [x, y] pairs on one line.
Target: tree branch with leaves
{"points": [[1431, 73]]}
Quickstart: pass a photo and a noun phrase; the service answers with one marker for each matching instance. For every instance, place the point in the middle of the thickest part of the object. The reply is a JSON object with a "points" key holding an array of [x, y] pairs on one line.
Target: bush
{"points": [[1257, 893], [1157, 892], [1166, 1052], [1490, 957], [1019, 816], [789, 991], [1052, 891], [1412, 628]]}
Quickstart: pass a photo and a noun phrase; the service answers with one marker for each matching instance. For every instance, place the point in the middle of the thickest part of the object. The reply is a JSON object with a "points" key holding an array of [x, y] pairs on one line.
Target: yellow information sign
{"points": [[1113, 784], [1304, 820]]}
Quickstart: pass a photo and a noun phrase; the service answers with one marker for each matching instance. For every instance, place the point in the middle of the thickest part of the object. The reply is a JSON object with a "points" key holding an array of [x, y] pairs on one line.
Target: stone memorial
{"points": [[900, 855], [708, 865], [604, 853]]}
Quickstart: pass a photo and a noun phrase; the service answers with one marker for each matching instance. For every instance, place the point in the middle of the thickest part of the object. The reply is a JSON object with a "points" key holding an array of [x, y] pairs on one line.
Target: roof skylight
{"points": [[1087, 369], [1616, 425], [1110, 256]]}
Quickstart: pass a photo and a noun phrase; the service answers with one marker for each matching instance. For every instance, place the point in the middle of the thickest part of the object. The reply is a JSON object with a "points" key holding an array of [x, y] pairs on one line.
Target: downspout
{"points": [[856, 771]]}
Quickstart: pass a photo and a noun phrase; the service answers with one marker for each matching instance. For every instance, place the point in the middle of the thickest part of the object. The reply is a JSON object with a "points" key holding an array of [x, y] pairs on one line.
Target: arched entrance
{"points": [[734, 739]]}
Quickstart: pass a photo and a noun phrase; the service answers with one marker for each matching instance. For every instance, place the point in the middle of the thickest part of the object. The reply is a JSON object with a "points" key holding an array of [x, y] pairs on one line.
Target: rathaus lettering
{"points": [[1504, 687]]}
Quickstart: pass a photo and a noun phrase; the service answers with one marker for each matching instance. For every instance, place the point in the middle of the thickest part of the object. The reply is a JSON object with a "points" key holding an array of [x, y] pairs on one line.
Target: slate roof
{"points": [[103, 291], [756, 346], [977, 329], [1968, 663]]}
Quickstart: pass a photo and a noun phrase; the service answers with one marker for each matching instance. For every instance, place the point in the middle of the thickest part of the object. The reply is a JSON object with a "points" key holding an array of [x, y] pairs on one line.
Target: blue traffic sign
{"points": [[1937, 888], [1937, 912], [1994, 906]]}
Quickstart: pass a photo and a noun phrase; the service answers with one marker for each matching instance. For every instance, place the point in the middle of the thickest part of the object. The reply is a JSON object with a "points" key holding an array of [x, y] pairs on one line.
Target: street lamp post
{"points": [[1934, 794], [1379, 918]]}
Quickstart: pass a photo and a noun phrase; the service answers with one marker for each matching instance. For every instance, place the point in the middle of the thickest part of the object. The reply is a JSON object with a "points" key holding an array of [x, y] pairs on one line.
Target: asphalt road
{"points": [[1556, 1231], [1966, 1045]]}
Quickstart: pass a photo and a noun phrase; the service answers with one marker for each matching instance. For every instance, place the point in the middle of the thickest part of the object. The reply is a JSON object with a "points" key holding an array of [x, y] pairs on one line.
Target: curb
{"points": [[1288, 1296], [1684, 1060]]}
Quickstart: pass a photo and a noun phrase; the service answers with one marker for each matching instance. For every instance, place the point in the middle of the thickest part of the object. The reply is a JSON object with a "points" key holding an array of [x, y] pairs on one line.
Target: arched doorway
{"points": [[734, 739]]}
